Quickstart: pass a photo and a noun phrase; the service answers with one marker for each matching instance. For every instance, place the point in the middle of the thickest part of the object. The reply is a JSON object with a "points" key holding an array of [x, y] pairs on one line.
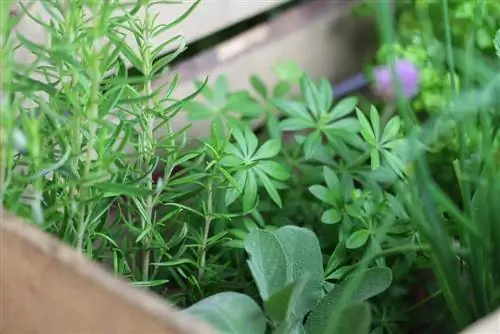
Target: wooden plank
{"points": [[48, 288], [209, 17]]}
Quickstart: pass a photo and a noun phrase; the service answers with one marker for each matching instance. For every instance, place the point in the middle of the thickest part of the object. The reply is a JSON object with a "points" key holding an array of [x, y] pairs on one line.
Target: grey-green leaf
{"points": [[230, 313], [357, 288], [267, 262], [354, 319]]}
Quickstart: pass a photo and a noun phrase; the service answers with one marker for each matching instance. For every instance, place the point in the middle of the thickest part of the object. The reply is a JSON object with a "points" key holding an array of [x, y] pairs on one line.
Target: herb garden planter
{"points": [[262, 200]]}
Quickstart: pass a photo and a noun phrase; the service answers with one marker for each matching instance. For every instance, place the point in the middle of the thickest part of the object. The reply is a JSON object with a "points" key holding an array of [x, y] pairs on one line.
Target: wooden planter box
{"points": [[46, 287]]}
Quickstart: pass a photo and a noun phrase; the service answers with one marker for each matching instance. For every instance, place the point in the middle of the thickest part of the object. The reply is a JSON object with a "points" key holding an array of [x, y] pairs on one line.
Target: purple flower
{"points": [[408, 76]]}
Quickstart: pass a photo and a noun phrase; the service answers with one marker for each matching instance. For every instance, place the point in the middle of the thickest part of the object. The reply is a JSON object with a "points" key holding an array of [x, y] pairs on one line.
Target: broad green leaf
{"points": [[230, 313], [324, 194], [302, 254], [358, 288], [326, 95], [331, 216], [358, 239], [270, 149], [259, 86], [344, 107], [267, 262], [290, 327], [354, 319], [280, 306]]}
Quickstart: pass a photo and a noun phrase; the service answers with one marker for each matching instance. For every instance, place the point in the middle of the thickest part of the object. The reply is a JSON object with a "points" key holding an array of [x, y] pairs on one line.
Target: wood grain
{"points": [[48, 288]]}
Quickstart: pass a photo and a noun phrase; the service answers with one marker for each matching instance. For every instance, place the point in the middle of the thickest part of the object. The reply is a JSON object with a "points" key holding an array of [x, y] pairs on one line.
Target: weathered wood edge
{"points": [[40, 249]]}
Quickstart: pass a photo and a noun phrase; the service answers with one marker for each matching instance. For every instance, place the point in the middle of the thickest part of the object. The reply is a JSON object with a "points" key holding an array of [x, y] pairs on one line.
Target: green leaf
{"points": [[391, 129], [366, 129], [375, 159], [230, 313], [354, 319], [313, 145], [367, 284], [358, 239], [121, 189], [295, 124], [233, 193], [324, 194], [273, 169], [375, 121], [270, 149], [250, 192], [293, 109], [259, 86], [251, 142], [344, 107], [496, 41], [270, 188], [331, 216], [304, 255], [267, 262], [332, 181], [310, 95], [272, 273], [280, 306], [281, 89]]}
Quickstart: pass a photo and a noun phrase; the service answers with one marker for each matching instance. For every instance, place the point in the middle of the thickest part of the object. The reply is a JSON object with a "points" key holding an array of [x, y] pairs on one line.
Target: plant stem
{"points": [[208, 221]]}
